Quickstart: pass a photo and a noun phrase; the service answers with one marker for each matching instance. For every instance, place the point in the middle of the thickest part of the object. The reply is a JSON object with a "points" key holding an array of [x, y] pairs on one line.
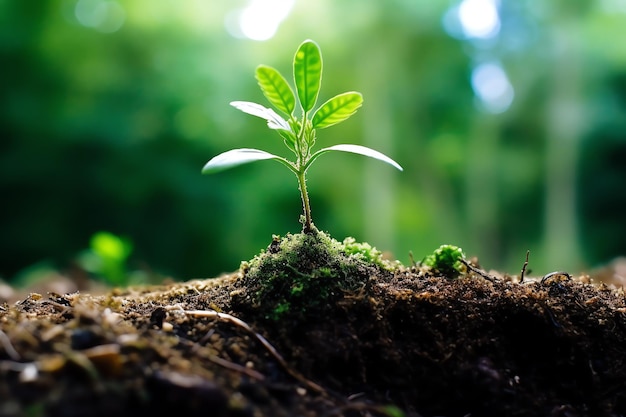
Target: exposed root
{"points": [[478, 271], [267, 345]]}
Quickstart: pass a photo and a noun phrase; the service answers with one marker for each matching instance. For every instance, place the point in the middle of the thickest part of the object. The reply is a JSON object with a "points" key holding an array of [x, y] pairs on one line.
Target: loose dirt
{"points": [[406, 342]]}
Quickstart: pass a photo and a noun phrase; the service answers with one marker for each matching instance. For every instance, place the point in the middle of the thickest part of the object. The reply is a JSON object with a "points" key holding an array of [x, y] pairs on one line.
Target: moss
{"points": [[280, 309], [302, 272], [446, 260], [367, 253]]}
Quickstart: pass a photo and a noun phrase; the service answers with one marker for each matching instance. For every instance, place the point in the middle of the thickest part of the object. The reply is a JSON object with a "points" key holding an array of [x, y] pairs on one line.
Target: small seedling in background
{"points": [[447, 260], [107, 258], [297, 131]]}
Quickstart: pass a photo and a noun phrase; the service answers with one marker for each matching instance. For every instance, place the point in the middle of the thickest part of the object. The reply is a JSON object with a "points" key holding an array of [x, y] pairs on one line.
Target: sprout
{"points": [[297, 131]]}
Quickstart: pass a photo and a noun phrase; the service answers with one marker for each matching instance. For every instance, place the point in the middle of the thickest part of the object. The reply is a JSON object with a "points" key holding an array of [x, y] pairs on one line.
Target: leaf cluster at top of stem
{"points": [[298, 130]]}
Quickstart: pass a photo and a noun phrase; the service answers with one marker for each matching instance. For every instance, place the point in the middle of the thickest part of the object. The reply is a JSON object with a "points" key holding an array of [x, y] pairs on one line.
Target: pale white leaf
{"points": [[236, 157], [274, 120], [358, 149]]}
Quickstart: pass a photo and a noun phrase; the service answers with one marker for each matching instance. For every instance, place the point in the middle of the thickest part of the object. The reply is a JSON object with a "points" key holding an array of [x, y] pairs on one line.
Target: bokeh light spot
{"points": [[260, 20], [105, 16], [491, 85], [479, 18]]}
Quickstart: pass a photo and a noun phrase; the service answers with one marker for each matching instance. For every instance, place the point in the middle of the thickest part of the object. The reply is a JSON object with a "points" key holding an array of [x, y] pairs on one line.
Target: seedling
{"points": [[298, 130]]}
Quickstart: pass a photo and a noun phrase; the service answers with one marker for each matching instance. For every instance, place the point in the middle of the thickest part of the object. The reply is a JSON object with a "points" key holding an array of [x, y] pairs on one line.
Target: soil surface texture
{"points": [[401, 341]]}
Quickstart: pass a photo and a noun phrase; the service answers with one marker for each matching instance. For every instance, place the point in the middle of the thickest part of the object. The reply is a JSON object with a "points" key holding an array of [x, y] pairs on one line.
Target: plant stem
{"points": [[308, 225]]}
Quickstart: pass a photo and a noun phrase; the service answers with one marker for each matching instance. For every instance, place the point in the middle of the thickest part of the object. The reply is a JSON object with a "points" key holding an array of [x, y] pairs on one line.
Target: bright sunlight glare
{"points": [[479, 18], [491, 85], [260, 20]]}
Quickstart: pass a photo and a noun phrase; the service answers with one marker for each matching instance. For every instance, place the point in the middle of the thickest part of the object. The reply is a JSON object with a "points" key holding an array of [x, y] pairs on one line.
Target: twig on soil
{"points": [[478, 271], [57, 306], [521, 277], [240, 323]]}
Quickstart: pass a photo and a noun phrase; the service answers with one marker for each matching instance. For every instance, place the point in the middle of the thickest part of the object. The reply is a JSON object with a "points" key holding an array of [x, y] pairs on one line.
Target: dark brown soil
{"points": [[403, 343]]}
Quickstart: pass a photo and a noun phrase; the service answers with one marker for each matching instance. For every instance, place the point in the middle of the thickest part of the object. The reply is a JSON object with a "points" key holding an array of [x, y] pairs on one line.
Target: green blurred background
{"points": [[508, 117]]}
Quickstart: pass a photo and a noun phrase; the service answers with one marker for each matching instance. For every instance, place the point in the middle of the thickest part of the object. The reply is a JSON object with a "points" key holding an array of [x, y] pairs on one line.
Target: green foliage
{"points": [[446, 260], [307, 74], [116, 122], [298, 131], [107, 256], [337, 109], [276, 89]]}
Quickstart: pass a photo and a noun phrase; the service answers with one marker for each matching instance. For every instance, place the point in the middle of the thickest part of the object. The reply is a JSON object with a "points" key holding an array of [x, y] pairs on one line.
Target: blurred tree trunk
{"points": [[481, 186], [565, 119], [378, 134]]}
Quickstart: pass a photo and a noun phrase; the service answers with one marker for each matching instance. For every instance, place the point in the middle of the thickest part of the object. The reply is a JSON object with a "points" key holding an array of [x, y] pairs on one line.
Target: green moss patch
{"points": [[300, 273], [446, 261]]}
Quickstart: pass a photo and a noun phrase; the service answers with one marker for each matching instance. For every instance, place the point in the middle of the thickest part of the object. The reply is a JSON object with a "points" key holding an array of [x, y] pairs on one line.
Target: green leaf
{"points": [[307, 73], [289, 138], [274, 121], [235, 157], [358, 149], [337, 109], [276, 89]]}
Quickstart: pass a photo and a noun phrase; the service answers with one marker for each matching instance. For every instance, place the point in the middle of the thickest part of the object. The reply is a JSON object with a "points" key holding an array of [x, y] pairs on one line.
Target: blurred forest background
{"points": [[509, 118]]}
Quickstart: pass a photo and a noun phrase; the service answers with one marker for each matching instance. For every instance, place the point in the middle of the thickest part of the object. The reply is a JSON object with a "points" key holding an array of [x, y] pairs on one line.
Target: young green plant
{"points": [[298, 130]]}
